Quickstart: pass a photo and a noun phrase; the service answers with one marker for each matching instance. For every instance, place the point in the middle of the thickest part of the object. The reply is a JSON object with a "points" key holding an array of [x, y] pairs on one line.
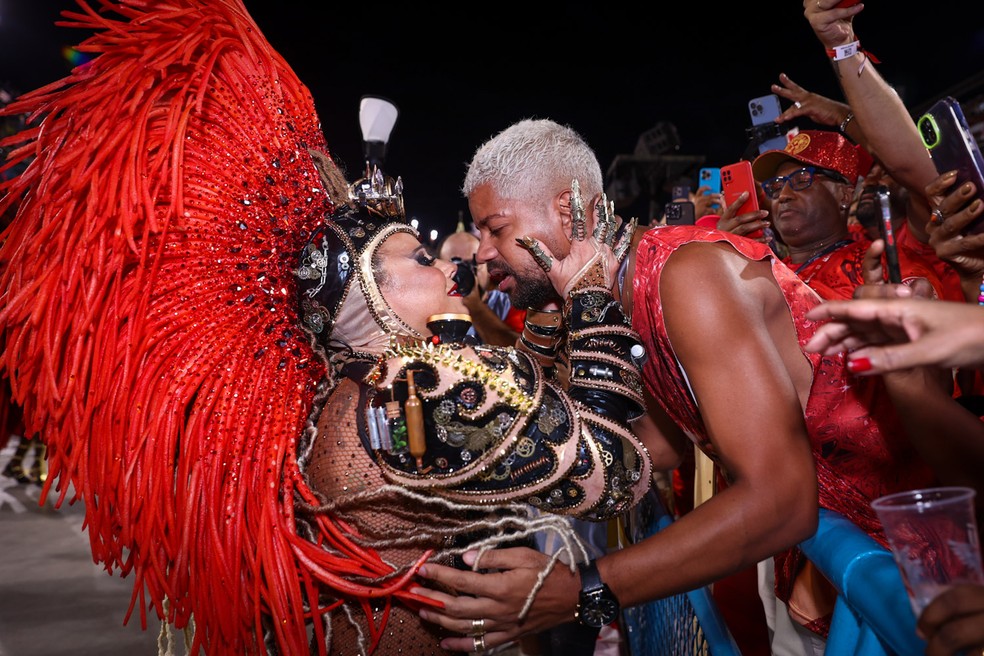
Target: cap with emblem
{"points": [[820, 148]]}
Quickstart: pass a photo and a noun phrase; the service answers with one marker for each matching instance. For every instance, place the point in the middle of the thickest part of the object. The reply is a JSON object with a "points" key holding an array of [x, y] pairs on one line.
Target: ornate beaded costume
{"points": [[207, 356]]}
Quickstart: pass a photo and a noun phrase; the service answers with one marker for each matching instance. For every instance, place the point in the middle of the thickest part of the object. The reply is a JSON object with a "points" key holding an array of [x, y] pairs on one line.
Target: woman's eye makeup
{"points": [[424, 258]]}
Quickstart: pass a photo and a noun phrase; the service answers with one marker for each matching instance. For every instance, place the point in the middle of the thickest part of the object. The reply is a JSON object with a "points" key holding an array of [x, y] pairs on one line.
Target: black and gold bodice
{"points": [[497, 429]]}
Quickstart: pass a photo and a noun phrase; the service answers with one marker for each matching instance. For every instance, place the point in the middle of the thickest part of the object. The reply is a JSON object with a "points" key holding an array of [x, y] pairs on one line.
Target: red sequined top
{"points": [[915, 257], [916, 260], [835, 272], [860, 448]]}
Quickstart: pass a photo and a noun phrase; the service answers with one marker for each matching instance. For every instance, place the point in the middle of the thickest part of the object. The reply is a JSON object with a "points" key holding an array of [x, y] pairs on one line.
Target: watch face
{"points": [[597, 610]]}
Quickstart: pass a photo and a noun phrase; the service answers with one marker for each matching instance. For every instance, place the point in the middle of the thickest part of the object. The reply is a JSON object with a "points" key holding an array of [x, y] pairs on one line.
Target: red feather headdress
{"points": [[149, 322]]}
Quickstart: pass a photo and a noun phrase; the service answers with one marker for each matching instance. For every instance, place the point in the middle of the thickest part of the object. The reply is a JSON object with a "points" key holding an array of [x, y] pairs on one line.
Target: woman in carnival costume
{"points": [[252, 372]]}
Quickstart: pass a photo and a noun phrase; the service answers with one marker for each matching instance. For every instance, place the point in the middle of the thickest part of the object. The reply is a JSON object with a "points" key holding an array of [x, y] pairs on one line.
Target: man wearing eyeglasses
{"points": [[811, 183]]}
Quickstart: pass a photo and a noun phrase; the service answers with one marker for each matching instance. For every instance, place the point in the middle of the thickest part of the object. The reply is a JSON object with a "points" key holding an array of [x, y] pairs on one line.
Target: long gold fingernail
{"points": [[578, 225]]}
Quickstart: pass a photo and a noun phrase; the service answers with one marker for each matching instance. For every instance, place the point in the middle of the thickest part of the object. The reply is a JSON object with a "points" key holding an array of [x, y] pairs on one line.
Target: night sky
{"points": [[613, 72]]}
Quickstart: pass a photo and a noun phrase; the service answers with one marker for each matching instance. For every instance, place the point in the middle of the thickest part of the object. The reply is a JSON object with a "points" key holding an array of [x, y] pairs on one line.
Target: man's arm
{"points": [[889, 130]]}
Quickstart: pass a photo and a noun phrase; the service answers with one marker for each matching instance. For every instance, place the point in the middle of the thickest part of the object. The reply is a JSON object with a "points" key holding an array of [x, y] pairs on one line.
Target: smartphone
{"points": [[680, 212], [947, 136], [888, 234], [680, 192], [709, 177], [736, 178], [765, 132]]}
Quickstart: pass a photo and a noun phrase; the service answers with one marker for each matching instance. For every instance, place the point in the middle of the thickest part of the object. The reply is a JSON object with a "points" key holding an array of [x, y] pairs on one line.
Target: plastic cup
{"points": [[933, 537]]}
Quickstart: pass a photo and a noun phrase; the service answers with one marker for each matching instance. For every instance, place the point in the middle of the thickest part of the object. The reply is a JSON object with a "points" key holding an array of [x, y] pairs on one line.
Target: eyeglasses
{"points": [[798, 180]]}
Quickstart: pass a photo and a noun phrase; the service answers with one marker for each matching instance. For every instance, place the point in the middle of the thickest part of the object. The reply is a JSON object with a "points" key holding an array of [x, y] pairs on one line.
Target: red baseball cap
{"points": [[708, 221], [821, 148]]}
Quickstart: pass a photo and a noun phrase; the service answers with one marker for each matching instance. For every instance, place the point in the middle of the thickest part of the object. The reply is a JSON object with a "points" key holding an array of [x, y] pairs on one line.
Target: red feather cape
{"points": [[149, 326]]}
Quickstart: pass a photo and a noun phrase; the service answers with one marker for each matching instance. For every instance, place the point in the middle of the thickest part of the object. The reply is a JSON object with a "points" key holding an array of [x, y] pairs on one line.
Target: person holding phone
{"points": [[893, 334], [914, 255], [743, 212], [813, 219], [879, 117], [811, 185]]}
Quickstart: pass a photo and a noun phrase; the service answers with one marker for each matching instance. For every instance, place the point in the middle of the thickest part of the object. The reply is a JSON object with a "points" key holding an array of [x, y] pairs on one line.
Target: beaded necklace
{"points": [[825, 254]]}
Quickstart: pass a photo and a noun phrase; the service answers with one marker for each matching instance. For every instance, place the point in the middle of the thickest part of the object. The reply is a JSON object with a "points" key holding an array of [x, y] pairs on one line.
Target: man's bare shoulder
{"points": [[708, 258], [714, 280]]}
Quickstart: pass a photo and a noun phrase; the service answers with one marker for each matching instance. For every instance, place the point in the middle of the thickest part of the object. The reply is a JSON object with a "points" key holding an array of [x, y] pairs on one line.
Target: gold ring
{"points": [[478, 627], [478, 644]]}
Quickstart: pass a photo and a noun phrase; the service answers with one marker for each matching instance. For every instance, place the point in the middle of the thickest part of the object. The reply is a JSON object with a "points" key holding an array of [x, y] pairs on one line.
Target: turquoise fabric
{"points": [[872, 616]]}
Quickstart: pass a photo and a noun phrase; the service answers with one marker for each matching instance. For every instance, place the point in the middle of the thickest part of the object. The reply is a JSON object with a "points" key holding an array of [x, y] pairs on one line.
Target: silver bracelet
{"points": [[847, 119]]}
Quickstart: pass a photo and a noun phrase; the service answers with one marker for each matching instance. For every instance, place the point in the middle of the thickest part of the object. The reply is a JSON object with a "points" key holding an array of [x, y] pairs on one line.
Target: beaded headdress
{"points": [[336, 281]]}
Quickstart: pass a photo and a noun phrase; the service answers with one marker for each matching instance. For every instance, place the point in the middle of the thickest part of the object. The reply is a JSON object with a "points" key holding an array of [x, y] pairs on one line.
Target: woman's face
{"points": [[415, 284]]}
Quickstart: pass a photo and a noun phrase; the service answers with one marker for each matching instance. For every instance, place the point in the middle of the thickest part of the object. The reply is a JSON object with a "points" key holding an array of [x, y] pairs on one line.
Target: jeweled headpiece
{"points": [[337, 285]]}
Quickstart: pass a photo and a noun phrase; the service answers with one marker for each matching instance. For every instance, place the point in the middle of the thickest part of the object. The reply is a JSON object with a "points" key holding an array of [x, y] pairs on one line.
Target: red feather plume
{"points": [[149, 327]]}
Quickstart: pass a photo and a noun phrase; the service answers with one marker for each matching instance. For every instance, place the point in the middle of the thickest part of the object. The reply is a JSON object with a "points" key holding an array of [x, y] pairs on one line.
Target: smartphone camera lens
{"points": [[928, 132]]}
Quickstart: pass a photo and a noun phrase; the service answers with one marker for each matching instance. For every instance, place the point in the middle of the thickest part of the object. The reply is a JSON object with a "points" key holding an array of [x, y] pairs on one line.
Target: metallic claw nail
{"points": [[578, 218], [533, 246], [612, 233], [625, 239], [605, 227], [601, 220]]}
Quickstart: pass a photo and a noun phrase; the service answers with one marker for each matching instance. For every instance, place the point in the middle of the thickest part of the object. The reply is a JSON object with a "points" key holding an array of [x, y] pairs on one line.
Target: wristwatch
{"points": [[597, 605]]}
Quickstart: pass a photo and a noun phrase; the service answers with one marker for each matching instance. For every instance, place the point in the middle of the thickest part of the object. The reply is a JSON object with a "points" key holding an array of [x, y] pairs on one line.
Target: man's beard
{"points": [[531, 288], [532, 293], [869, 212]]}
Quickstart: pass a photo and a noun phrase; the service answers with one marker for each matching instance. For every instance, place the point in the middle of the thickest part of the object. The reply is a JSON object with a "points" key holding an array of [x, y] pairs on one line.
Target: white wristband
{"points": [[847, 50]]}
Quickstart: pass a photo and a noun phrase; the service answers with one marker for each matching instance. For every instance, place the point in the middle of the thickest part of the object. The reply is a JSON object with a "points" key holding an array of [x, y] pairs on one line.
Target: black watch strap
{"points": [[597, 604], [590, 578]]}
